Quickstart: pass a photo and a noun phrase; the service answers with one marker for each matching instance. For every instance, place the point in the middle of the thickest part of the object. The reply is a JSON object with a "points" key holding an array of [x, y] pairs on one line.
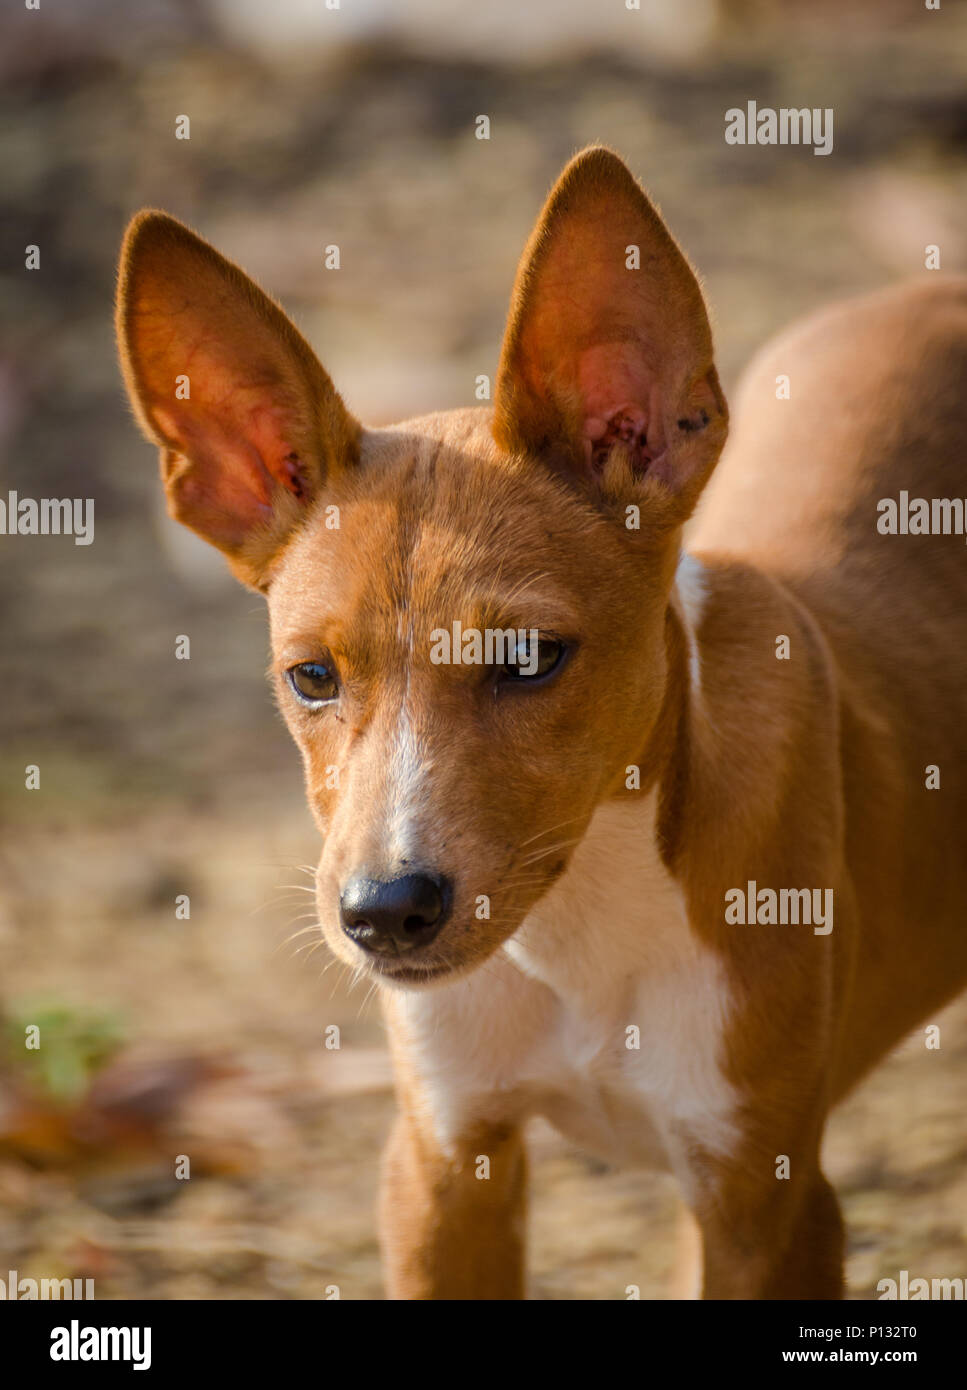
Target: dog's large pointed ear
{"points": [[608, 339], [248, 423]]}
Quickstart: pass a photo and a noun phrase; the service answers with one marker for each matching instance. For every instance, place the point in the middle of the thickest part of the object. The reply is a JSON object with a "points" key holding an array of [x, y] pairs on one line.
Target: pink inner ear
{"points": [[626, 425], [237, 452], [270, 434], [621, 403]]}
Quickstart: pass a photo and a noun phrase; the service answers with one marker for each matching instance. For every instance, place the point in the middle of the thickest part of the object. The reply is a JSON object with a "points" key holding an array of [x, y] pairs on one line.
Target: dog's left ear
{"points": [[608, 340]]}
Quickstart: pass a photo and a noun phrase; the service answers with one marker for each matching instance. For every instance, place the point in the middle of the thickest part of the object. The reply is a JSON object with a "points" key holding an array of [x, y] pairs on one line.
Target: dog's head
{"points": [[470, 612]]}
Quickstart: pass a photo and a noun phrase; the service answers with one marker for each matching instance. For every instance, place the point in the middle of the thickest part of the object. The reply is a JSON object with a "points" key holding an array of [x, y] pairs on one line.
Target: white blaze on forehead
{"points": [[691, 584]]}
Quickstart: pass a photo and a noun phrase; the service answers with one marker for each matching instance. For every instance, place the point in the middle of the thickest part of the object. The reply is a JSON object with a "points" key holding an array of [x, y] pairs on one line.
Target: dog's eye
{"points": [[533, 661], [313, 682]]}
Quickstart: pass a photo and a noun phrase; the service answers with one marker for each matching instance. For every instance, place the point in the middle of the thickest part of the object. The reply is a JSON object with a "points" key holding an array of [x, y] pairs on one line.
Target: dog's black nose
{"points": [[390, 916]]}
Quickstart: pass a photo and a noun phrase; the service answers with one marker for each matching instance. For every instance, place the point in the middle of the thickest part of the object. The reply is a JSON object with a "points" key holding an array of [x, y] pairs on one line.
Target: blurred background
{"points": [[206, 1036]]}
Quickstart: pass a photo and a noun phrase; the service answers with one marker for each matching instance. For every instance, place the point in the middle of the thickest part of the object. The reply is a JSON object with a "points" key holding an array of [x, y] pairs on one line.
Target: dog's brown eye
{"points": [[313, 682], [534, 660]]}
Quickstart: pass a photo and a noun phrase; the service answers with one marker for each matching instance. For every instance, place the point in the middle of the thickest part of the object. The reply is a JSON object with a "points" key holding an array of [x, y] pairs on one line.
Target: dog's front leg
{"points": [[769, 1236], [452, 1224]]}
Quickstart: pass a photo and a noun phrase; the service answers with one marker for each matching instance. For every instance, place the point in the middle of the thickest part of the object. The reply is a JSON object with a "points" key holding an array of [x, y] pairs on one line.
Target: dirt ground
{"points": [[206, 1036]]}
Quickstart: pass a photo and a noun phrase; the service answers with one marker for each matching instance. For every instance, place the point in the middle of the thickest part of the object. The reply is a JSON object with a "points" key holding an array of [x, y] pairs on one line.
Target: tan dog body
{"points": [[589, 827]]}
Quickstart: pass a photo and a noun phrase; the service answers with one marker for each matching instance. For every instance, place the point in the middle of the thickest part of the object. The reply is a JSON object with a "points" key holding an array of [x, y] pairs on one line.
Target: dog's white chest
{"points": [[603, 1013], [589, 1078], [631, 1083]]}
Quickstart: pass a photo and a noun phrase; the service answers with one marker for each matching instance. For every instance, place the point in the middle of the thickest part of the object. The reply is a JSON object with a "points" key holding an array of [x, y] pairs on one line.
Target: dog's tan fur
{"points": [[607, 903]]}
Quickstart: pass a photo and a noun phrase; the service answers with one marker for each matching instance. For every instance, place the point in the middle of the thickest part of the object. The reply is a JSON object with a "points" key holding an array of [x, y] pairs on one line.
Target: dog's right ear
{"points": [[248, 422]]}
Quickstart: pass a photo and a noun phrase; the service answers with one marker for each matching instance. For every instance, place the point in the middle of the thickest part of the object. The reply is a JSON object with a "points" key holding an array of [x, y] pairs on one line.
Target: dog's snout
{"points": [[390, 916]]}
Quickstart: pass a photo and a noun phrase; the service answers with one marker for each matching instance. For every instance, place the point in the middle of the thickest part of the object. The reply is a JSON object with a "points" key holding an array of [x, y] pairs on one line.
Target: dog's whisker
{"points": [[547, 852], [289, 940], [541, 833], [314, 937]]}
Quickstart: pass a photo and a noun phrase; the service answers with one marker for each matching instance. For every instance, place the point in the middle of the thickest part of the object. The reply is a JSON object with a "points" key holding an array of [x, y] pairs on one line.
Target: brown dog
{"points": [[667, 847]]}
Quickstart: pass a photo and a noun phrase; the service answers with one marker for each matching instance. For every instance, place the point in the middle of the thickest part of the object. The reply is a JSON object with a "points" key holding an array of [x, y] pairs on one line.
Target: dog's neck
{"points": [[664, 759]]}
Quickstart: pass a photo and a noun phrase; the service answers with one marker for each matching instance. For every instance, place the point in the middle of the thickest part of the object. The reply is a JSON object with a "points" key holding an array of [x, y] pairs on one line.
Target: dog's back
{"points": [[844, 409], [843, 413]]}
